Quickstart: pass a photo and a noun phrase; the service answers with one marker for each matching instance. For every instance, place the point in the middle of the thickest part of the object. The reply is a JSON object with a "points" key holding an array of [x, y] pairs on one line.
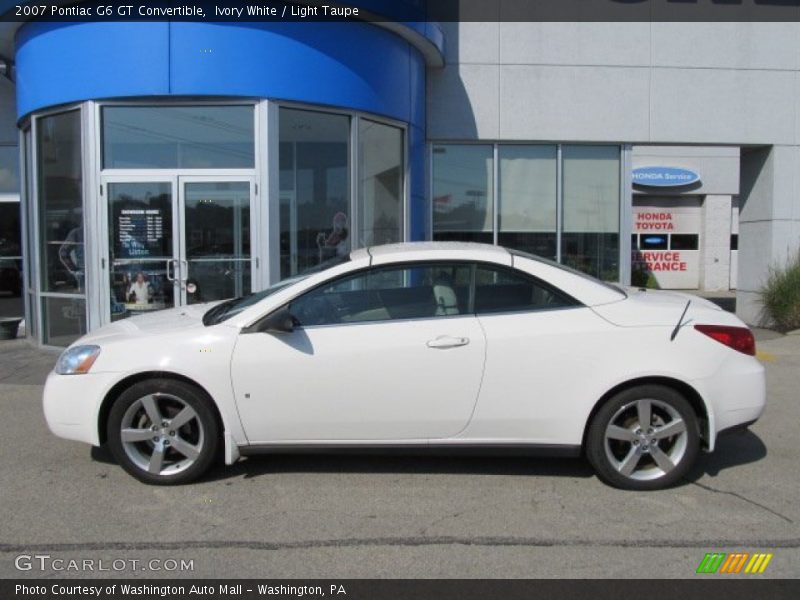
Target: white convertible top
{"points": [[435, 250]]}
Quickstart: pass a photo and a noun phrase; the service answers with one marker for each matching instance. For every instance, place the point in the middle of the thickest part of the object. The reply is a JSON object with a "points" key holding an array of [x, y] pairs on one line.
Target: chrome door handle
{"points": [[170, 264], [447, 341]]}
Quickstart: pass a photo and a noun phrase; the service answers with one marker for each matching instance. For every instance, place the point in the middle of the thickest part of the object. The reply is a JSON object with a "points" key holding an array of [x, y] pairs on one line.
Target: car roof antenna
{"points": [[680, 322]]}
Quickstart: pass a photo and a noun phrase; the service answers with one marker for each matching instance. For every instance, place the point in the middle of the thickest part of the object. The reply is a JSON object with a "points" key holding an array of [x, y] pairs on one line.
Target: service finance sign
{"points": [[664, 177], [668, 242]]}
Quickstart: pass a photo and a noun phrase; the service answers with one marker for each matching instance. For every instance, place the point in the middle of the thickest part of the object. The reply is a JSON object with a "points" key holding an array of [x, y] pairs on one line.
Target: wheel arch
{"points": [[687, 391], [121, 385]]}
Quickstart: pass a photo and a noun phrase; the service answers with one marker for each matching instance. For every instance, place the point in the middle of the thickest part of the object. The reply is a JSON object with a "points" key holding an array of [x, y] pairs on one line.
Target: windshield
{"points": [[229, 308]]}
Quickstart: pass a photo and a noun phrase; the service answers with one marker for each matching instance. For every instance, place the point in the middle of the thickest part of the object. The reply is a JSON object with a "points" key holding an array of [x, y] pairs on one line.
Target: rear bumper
{"points": [[735, 397]]}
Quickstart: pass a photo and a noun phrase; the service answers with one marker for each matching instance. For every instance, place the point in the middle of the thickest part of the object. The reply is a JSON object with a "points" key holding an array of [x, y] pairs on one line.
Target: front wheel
{"points": [[644, 438], [163, 432]]}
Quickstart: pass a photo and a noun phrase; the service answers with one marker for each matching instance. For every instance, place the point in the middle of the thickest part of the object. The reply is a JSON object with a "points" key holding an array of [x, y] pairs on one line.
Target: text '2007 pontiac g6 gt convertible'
{"points": [[440, 346]]}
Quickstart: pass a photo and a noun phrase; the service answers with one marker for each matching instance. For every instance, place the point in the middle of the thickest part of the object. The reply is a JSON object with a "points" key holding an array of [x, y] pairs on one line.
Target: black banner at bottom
{"points": [[399, 589]]}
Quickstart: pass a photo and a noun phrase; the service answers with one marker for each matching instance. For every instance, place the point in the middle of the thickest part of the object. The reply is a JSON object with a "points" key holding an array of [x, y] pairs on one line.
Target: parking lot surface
{"points": [[322, 516]]}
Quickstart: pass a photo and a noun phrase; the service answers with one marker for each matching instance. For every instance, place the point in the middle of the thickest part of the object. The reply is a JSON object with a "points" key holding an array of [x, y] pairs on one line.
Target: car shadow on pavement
{"points": [[373, 463], [732, 450]]}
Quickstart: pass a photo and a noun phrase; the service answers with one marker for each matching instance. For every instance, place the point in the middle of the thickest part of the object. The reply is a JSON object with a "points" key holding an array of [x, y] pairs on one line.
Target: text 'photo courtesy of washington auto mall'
{"points": [[377, 299]]}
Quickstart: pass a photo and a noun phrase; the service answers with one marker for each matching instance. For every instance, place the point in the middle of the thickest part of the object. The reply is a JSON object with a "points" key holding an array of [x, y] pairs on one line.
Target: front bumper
{"points": [[72, 404]]}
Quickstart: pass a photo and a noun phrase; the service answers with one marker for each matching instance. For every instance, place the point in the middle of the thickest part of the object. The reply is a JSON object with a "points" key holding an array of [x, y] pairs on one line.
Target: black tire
{"points": [[199, 436], [612, 456]]}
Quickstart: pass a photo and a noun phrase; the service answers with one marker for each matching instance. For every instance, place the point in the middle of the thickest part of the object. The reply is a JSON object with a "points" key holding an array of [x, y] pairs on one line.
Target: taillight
{"points": [[738, 338]]}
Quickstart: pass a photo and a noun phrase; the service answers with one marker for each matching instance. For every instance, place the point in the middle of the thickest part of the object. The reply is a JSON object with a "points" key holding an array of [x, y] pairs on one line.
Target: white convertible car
{"points": [[429, 345]]}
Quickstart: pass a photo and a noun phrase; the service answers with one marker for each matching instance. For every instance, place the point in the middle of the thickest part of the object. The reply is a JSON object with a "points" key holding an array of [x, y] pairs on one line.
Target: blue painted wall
{"points": [[348, 65]]}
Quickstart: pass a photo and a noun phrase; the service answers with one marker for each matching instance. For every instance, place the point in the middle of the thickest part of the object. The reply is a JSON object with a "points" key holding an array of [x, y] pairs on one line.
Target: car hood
{"points": [[656, 308], [158, 323]]}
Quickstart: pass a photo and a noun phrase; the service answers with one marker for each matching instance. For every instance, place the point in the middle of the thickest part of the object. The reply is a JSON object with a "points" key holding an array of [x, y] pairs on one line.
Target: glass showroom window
{"points": [[314, 188], [61, 234], [9, 173], [178, 137], [590, 238], [11, 278], [381, 189], [528, 199], [463, 193]]}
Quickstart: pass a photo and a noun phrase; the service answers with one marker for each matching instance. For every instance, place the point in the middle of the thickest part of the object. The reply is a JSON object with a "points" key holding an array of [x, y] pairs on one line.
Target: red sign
{"points": [[654, 221], [659, 261]]}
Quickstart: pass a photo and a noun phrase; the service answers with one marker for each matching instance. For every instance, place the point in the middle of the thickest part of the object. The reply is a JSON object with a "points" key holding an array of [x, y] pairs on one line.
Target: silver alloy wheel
{"points": [[646, 439], [161, 434]]}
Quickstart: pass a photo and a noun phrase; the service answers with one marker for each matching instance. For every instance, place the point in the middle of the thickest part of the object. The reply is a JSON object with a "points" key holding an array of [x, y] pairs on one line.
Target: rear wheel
{"points": [[163, 432], [644, 438]]}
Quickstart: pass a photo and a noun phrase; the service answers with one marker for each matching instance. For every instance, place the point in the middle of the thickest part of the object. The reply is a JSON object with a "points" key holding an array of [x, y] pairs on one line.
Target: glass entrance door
{"points": [[216, 260], [142, 249], [176, 240]]}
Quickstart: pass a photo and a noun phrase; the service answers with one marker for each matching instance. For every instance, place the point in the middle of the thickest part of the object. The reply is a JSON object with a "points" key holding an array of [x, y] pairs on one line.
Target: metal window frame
{"points": [[265, 175], [26, 203], [405, 192], [625, 191], [625, 213], [354, 168], [39, 295], [184, 101]]}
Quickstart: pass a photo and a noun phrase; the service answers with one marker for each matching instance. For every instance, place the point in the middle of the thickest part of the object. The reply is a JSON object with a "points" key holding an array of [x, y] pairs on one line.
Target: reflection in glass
{"points": [[9, 170], [590, 241], [210, 280], [314, 188], [63, 320], [500, 290], [528, 198], [10, 232], [380, 198], [141, 248], [60, 203], [391, 293], [188, 137], [11, 278], [140, 286], [217, 240], [463, 193], [688, 241]]}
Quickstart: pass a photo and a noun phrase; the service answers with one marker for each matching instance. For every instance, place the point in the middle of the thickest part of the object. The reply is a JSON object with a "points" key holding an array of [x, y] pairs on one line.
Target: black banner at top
{"points": [[402, 10]]}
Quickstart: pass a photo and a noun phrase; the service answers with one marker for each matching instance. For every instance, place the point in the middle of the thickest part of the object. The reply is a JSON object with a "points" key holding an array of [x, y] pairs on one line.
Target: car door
{"points": [[388, 353], [546, 354]]}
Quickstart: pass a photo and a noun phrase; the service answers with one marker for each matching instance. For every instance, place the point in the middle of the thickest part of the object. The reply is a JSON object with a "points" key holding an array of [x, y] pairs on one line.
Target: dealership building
{"points": [[146, 165]]}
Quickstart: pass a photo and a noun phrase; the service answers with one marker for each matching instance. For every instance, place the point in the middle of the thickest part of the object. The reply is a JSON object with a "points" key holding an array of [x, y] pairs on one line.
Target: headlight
{"points": [[77, 360]]}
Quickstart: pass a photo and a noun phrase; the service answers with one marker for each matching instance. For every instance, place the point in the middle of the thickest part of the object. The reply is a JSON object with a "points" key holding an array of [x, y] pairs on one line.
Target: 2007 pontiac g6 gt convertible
{"points": [[433, 345]]}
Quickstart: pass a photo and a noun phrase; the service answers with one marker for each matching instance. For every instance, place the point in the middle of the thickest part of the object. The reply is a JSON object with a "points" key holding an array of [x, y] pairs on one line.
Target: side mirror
{"points": [[280, 321]]}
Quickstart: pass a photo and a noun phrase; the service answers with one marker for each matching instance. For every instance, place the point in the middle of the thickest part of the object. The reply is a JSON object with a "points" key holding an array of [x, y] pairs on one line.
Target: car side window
{"points": [[411, 291], [499, 289]]}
